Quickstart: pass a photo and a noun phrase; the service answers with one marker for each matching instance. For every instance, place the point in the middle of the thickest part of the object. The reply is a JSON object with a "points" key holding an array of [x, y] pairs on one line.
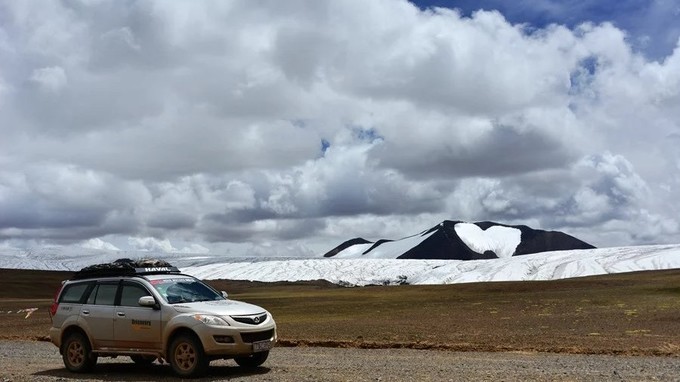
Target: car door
{"points": [[97, 314], [135, 326]]}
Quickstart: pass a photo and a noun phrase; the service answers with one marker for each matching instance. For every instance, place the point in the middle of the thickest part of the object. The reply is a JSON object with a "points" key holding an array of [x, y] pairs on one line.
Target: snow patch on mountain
{"points": [[501, 240], [384, 250]]}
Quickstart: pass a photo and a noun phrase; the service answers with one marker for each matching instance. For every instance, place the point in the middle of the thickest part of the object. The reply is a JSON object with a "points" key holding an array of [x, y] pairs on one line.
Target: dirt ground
{"points": [[632, 314], [40, 362]]}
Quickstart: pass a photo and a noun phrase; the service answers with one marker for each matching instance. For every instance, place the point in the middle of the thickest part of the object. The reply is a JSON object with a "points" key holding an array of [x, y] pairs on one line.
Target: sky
{"points": [[285, 128]]}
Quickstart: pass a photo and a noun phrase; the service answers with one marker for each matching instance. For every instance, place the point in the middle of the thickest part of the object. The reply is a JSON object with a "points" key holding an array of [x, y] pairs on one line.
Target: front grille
{"points": [[257, 336], [250, 320]]}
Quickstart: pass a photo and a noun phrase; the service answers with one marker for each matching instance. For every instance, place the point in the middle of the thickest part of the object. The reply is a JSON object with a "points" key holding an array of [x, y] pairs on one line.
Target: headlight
{"points": [[211, 320]]}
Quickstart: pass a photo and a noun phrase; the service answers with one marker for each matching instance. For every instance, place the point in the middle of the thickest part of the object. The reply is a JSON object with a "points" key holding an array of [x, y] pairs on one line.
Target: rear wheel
{"points": [[187, 357], [253, 360], [77, 354]]}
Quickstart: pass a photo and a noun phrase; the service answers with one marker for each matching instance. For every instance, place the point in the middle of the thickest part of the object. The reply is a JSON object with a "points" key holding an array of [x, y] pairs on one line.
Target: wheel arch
{"points": [[70, 330], [178, 331]]}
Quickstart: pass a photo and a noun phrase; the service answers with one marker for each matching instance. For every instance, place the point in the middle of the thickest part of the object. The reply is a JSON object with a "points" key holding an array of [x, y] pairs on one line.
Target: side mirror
{"points": [[148, 301], [225, 295]]}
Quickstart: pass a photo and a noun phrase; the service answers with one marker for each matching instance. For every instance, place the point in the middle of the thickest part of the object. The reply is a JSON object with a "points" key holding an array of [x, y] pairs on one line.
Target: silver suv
{"points": [[149, 311]]}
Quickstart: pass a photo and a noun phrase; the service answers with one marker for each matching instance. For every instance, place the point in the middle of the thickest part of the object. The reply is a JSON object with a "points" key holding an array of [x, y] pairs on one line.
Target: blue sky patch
{"points": [[653, 27]]}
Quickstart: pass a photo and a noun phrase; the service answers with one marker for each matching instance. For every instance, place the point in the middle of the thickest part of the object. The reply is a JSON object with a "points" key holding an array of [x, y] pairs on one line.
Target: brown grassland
{"points": [[632, 313]]}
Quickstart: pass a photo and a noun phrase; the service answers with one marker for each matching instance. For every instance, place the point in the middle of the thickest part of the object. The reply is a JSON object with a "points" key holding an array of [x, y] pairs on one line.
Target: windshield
{"points": [[181, 290]]}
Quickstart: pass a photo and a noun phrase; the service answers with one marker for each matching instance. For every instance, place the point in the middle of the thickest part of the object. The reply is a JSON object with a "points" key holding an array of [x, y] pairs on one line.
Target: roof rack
{"points": [[126, 267]]}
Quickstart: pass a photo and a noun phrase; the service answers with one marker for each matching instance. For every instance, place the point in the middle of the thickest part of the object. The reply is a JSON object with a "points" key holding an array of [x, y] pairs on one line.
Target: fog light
{"points": [[224, 339]]}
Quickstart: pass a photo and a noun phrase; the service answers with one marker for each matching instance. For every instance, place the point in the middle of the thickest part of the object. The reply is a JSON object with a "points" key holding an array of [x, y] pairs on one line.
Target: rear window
{"points": [[73, 293]]}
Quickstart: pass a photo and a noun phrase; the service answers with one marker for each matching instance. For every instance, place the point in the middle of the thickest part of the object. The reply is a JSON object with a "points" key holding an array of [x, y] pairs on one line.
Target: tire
{"points": [[186, 356], [143, 360], [253, 360], [77, 353]]}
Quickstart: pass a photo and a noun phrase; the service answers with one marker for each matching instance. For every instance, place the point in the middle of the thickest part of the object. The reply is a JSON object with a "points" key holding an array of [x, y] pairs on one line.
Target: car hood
{"points": [[219, 308]]}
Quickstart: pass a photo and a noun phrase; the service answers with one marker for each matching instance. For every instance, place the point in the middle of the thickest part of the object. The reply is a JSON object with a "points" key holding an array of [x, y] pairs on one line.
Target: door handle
{"points": [[85, 312], [120, 314]]}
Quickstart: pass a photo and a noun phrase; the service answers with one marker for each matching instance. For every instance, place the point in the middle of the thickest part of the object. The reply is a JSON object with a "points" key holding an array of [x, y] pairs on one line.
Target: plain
{"points": [[634, 313]]}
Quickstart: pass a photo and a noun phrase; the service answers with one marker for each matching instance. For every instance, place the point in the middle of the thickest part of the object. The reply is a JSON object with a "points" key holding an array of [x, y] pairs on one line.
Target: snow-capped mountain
{"points": [[456, 240], [482, 251]]}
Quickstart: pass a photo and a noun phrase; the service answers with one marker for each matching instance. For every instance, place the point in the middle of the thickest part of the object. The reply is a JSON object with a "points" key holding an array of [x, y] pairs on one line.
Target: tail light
{"points": [[55, 303]]}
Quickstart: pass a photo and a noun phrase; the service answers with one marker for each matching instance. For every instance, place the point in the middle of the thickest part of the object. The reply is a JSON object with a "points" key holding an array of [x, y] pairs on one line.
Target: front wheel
{"points": [[253, 360], [77, 353], [187, 357]]}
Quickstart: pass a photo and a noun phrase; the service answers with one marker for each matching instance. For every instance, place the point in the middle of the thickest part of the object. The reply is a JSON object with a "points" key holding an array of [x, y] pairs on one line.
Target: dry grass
{"points": [[633, 313]]}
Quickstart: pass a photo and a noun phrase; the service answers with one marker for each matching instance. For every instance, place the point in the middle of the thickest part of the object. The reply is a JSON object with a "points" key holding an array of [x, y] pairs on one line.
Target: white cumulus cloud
{"points": [[204, 126]]}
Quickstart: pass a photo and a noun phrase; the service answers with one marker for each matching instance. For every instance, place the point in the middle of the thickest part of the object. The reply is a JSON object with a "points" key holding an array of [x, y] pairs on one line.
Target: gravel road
{"points": [[40, 361]]}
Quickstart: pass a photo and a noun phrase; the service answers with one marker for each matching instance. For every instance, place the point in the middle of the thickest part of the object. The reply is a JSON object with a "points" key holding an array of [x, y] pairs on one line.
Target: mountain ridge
{"points": [[479, 240]]}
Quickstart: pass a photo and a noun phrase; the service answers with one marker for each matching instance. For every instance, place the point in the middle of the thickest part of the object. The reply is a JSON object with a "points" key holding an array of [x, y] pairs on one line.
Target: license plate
{"points": [[261, 346]]}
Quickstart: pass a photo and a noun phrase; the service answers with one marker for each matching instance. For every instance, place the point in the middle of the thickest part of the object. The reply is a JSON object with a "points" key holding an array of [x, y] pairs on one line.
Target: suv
{"points": [[148, 310]]}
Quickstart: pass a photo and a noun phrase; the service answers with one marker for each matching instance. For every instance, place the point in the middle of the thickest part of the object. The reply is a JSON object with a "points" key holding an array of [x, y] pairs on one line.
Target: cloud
{"points": [[66, 203], [601, 197], [97, 243], [50, 79], [502, 151], [150, 244], [231, 125]]}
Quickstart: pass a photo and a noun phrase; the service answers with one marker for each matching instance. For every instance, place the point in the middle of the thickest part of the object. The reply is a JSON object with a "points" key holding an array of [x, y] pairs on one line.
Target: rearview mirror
{"points": [[148, 301], [224, 294]]}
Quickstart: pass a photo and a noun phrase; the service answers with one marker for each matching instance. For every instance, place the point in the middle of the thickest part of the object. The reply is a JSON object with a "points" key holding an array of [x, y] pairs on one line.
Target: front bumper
{"points": [[228, 341]]}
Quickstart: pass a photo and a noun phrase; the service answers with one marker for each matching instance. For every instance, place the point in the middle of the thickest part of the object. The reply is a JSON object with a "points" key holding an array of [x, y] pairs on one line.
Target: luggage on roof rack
{"points": [[126, 267]]}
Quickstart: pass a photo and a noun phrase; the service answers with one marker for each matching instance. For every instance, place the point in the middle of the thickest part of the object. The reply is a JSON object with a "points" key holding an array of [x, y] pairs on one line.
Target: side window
{"points": [[131, 294], [103, 294], [74, 293], [93, 294]]}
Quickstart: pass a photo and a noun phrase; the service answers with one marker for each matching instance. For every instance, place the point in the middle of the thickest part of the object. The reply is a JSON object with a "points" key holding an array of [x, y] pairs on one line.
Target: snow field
{"points": [[367, 271]]}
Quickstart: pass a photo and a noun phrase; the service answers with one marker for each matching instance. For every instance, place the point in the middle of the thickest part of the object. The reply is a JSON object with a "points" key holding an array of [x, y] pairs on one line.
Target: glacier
{"points": [[371, 271]]}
